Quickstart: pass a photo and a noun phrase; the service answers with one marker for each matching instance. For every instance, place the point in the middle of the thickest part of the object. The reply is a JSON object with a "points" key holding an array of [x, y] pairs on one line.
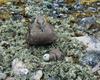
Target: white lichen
{"points": [[19, 67]]}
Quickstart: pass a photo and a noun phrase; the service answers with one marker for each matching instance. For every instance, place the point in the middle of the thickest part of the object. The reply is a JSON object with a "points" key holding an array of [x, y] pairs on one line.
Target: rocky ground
{"points": [[49, 40]]}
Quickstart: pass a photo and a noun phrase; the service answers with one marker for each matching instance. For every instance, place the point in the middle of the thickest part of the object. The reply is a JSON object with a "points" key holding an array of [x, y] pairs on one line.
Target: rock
{"points": [[91, 9], [91, 42], [99, 72], [2, 76], [55, 5], [96, 68], [97, 35], [27, 8], [10, 78], [37, 75], [91, 58], [69, 59], [19, 67], [87, 21], [53, 78], [60, 3], [78, 6], [55, 54], [40, 32]]}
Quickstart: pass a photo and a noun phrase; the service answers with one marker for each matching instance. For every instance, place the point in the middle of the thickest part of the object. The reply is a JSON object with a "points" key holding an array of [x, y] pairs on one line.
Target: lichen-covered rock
{"points": [[37, 75], [97, 35], [2, 76], [90, 41], [40, 32], [19, 67], [87, 21], [10, 78], [91, 58], [96, 68]]}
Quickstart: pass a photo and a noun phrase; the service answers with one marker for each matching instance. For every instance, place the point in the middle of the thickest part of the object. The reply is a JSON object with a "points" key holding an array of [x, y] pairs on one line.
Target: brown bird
{"points": [[40, 32]]}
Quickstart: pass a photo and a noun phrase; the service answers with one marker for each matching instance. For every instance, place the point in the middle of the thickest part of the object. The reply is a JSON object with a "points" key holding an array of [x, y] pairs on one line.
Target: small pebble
{"points": [[91, 9], [55, 5], [98, 3], [69, 59], [78, 7], [27, 9]]}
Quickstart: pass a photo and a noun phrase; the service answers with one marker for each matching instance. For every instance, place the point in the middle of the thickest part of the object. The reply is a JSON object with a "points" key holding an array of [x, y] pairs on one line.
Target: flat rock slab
{"points": [[91, 42]]}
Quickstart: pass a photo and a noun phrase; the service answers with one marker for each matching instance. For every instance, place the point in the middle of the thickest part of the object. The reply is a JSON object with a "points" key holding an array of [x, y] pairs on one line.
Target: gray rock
{"points": [[10, 78], [37, 75], [91, 58], [19, 68], [53, 78], [87, 21], [2, 75], [78, 7], [91, 42], [92, 9]]}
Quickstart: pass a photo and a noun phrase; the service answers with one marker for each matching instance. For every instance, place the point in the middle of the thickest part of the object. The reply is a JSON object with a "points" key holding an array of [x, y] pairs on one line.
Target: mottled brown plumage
{"points": [[40, 32], [56, 54]]}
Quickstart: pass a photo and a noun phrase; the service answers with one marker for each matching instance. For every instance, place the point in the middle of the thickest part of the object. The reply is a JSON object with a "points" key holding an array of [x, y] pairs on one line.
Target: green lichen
{"points": [[67, 71]]}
